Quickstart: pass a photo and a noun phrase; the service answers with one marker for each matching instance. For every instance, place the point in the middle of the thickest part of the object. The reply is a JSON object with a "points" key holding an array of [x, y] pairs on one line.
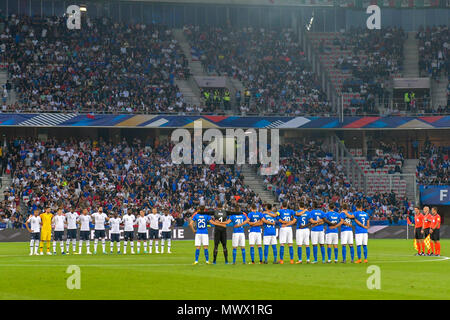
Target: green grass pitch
{"points": [[172, 276]]}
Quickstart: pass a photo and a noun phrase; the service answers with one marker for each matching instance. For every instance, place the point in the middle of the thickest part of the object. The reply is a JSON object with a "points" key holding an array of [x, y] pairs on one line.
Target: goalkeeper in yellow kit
{"points": [[46, 231]]}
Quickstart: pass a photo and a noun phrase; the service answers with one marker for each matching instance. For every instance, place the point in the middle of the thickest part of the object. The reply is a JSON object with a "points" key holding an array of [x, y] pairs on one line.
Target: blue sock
{"points": [[252, 253], [243, 254], [206, 254], [266, 252], [358, 250], [322, 250], [336, 253], [274, 249], [260, 252], [352, 252], [299, 253], [308, 253], [281, 252], [329, 253], [365, 252], [315, 253], [291, 252], [344, 252], [197, 253], [234, 255]]}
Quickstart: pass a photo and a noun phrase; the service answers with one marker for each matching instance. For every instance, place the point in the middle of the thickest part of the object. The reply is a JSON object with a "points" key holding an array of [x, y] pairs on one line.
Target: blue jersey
{"points": [[201, 221], [317, 214], [333, 217], [255, 216], [269, 230], [238, 219], [303, 220], [286, 215], [346, 220], [363, 218]]}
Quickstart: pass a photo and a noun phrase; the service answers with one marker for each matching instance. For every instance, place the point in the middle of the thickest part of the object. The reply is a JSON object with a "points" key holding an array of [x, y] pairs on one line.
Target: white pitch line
{"points": [[98, 265]]}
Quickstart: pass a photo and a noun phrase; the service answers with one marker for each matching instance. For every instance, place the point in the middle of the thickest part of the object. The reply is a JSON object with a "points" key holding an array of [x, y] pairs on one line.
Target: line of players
{"points": [[316, 225], [71, 220]]}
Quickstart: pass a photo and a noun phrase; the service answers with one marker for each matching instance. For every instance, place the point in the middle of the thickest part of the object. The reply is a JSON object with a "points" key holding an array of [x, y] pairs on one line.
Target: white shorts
{"points": [[317, 237], [302, 237], [269, 240], [286, 235], [331, 238], [361, 239], [201, 240], [346, 237], [254, 238], [238, 240]]}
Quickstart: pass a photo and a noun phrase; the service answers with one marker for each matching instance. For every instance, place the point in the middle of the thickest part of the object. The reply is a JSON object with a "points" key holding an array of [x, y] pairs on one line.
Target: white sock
{"points": [[31, 245], [139, 245], [74, 245], [36, 246], [104, 245], [162, 245], [169, 243], [95, 244], [132, 245], [125, 246], [145, 245], [156, 245], [88, 243], [112, 246], [68, 245], [80, 246], [54, 246], [61, 244]]}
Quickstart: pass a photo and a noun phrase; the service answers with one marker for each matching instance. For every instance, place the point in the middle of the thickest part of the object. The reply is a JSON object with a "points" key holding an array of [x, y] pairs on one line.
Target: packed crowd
{"points": [[308, 173], [434, 163], [434, 51], [375, 57], [104, 67], [271, 65], [117, 176]]}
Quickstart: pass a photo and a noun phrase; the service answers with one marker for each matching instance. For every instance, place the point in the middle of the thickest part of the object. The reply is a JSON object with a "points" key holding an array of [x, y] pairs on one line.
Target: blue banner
{"points": [[435, 195]]}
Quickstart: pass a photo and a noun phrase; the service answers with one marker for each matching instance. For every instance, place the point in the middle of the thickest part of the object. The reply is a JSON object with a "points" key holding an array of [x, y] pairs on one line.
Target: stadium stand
{"points": [[434, 51], [309, 173], [359, 63], [107, 67], [117, 176], [271, 64], [434, 163]]}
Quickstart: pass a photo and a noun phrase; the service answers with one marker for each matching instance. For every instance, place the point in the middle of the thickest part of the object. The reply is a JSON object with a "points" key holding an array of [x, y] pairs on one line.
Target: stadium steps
{"points": [[12, 94], [190, 93], [439, 91], [411, 56], [255, 182], [409, 167], [6, 183], [195, 66]]}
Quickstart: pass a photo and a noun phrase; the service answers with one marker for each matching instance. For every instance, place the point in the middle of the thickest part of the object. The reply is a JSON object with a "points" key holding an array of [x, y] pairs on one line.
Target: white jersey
{"points": [[99, 219], [59, 222], [71, 218], [85, 219], [128, 221], [142, 224], [115, 225], [154, 220], [35, 223], [166, 222]]}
